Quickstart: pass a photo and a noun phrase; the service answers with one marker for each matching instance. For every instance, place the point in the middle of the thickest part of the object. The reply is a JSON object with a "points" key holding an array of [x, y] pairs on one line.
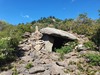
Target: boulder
{"points": [[97, 73], [26, 47], [27, 58], [37, 69], [58, 33], [47, 72], [9, 72], [80, 47], [48, 42], [59, 63], [56, 70], [26, 35], [39, 44]]}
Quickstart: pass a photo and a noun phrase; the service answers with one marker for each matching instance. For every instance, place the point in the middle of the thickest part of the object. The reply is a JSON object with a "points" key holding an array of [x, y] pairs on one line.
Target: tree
{"points": [[96, 38], [99, 12], [3, 24], [98, 20], [69, 24], [83, 19]]}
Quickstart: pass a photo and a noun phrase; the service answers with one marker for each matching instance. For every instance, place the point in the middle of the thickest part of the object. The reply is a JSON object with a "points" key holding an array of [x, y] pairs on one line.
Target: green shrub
{"points": [[64, 49], [94, 59], [6, 67], [15, 72], [7, 49], [89, 45], [67, 49], [96, 38], [28, 66]]}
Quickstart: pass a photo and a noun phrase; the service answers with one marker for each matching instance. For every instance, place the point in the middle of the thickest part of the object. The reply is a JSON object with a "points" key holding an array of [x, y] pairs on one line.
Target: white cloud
{"points": [[25, 16]]}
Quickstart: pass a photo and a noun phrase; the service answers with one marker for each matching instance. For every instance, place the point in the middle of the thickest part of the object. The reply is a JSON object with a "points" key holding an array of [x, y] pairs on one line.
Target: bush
{"points": [[94, 59], [28, 66], [64, 49], [15, 72], [90, 45], [7, 49], [67, 49], [96, 38]]}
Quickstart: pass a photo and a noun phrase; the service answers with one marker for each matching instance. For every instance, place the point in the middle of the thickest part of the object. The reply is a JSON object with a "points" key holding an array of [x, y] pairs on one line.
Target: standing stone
{"points": [[48, 40], [37, 35]]}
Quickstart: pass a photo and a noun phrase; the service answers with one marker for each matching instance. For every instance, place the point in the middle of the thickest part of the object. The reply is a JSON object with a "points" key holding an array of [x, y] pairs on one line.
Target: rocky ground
{"points": [[51, 63]]}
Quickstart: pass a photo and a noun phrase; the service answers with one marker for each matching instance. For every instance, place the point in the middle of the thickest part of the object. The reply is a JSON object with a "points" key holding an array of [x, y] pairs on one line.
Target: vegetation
{"points": [[93, 59], [89, 45], [7, 49], [28, 66], [15, 72], [66, 49], [96, 38]]}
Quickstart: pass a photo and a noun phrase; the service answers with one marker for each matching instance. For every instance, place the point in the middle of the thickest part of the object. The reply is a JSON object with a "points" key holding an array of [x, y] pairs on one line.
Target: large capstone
{"points": [[55, 38]]}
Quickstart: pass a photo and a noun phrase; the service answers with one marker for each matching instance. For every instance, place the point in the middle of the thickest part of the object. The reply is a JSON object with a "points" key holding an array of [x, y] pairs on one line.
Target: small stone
{"points": [[97, 73], [27, 58], [26, 47], [37, 69], [26, 35], [61, 64], [47, 72], [80, 47], [6, 72]]}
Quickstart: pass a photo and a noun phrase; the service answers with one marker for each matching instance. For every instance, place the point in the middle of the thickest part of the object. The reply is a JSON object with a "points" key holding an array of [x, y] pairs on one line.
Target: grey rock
{"points": [[26, 34], [48, 66], [47, 72], [24, 40], [58, 33], [48, 40], [24, 73], [27, 58], [54, 57], [56, 70], [37, 69], [21, 69], [26, 47], [97, 73], [39, 45], [21, 45], [67, 56], [80, 47], [61, 64], [10, 72], [72, 67]]}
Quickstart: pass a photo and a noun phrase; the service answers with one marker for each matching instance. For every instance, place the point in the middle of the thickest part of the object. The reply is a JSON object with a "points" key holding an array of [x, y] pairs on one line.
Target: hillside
{"points": [[25, 50]]}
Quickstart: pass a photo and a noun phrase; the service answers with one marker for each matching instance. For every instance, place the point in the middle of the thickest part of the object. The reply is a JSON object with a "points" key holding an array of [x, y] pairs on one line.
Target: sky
{"points": [[23, 11]]}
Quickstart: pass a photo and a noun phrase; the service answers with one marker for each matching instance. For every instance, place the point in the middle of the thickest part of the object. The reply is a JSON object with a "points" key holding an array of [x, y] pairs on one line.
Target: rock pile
{"points": [[33, 42], [45, 39]]}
